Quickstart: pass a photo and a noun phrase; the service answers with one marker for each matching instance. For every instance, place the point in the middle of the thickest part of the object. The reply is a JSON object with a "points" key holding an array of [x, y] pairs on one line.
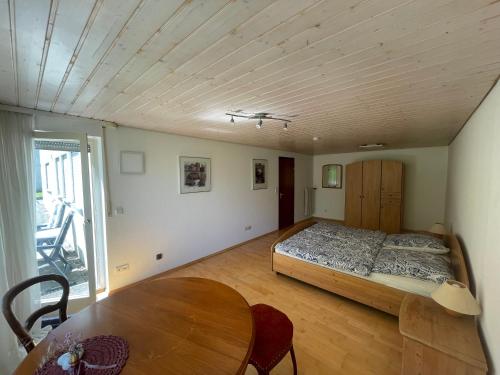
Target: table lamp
{"points": [[456, 298]]}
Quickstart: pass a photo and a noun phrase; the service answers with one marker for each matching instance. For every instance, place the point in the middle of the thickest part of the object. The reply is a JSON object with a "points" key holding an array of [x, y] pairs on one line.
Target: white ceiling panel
{"points": [[404, 73], [8, 75]]}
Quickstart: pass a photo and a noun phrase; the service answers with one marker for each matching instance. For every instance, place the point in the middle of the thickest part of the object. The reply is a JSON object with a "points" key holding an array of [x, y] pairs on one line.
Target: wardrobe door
{"points": [[392, 196], [392, 173], [390, 216], [372, 171], [353, 194]]}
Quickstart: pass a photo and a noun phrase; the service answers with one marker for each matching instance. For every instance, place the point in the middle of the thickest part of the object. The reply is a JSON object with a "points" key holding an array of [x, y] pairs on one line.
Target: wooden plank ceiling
{"points": [[405, 73]]}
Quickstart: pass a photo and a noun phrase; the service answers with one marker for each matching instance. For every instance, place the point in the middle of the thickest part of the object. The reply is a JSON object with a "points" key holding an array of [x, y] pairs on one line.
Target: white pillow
{"points": [[415, 242]]}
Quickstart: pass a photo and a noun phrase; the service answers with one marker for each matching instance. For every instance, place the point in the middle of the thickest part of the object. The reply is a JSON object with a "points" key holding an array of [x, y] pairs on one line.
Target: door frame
{"points": [[291, 219], [76, 304]]}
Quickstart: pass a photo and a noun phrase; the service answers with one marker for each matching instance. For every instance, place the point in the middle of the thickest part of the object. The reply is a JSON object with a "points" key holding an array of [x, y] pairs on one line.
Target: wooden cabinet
{"points": [[436, 343], [353, 194], [391, 207], [374, 195], [370, 199]]}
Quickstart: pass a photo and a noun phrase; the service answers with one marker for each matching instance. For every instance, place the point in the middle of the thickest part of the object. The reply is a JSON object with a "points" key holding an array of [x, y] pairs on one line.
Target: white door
{"points": [[64, 233]]}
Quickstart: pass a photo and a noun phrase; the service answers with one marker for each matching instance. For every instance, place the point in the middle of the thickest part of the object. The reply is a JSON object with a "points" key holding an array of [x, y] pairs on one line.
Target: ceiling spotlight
{"points": [[232, 120], [285, 126], [259, 124]]}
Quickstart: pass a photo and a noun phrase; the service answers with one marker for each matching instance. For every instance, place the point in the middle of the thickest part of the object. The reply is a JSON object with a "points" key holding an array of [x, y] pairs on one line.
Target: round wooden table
{"points": [[172, 325]]}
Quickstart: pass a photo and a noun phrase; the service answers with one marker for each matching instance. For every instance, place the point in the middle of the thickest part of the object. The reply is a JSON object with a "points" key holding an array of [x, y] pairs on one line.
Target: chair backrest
{"points": [[16, 326], [58, 218], [64, 229], [53, 216]]}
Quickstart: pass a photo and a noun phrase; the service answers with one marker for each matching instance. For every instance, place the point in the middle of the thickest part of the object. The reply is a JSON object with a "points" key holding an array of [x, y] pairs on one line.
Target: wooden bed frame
{"points": [[370, 293]]}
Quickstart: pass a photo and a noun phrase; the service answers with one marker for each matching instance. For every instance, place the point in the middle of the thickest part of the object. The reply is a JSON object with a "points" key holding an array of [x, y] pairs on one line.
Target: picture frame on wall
{"points": [[259, 174], [332, 176], [132, 162], [195, 174]]}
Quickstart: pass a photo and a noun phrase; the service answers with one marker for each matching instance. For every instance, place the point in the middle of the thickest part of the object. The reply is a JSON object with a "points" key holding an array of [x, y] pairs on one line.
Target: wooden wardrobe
{"points": [[374, 195]]}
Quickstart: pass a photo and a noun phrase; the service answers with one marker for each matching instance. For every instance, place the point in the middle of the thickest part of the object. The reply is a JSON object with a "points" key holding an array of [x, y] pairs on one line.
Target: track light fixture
{"points": [[372, 145], [260, 116]]}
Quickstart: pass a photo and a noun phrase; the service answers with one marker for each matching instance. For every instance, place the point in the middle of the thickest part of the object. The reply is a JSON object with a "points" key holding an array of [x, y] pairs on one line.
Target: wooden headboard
{"points": [[457, 260]]}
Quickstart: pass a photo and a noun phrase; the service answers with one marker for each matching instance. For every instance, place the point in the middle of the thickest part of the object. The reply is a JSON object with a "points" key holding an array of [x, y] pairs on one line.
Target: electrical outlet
{"points": [[248, 227], [122, 267], [159, 256]]}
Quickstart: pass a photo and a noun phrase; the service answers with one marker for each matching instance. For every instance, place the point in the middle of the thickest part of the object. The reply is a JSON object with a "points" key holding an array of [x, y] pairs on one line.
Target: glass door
{"points": [[64, 230]]}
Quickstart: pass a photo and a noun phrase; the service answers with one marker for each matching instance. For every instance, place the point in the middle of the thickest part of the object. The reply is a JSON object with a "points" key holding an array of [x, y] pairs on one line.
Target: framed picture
{"points": [[132, 162], [195, 174], [259, 174], [332, 176]]}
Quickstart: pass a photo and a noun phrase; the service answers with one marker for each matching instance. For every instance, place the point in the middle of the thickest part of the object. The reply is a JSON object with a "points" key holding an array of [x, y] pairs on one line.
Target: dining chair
{"points": [[273, 338], [22, 331]]}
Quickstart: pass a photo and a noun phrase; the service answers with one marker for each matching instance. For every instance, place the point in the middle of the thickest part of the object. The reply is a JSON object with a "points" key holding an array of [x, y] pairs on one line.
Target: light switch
{"points": [[119, 211]]}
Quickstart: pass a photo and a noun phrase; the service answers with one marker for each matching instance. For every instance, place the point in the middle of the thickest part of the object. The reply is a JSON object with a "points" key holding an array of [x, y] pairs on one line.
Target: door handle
{"points": [[281, 195]]}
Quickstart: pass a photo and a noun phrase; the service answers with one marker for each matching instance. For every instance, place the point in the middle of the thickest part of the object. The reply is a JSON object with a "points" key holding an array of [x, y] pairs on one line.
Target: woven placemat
{"points": [[103, 355]]}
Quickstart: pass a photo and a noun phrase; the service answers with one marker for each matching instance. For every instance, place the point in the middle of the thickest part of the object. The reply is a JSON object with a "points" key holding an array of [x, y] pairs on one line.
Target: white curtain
{"points": [[17, 225]]}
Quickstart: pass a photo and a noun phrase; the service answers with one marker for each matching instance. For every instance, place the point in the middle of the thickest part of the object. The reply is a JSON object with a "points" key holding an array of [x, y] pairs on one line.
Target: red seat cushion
{"points": [[273, 336]]}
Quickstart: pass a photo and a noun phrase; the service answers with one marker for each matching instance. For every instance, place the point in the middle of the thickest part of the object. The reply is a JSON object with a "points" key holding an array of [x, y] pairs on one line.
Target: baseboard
{"points": [[165, 273]]}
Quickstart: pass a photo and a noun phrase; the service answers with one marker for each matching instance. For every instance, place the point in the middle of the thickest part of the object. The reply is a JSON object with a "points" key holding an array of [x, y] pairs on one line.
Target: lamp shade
{"points": [[455, 296], [438, 228]]}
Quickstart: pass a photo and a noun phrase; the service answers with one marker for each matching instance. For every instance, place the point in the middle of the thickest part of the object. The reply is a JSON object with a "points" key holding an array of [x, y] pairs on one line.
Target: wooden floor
{"points": [[332, 335]]}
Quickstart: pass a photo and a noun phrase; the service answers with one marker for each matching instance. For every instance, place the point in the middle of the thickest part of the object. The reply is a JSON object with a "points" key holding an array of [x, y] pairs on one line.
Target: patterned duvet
{"points": [[360, 251], [336, 246], [419, 265]]}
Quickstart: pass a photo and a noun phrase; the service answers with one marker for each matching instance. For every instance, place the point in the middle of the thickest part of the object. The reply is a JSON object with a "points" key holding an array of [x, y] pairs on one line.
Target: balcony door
{"points": [[64, 216]]}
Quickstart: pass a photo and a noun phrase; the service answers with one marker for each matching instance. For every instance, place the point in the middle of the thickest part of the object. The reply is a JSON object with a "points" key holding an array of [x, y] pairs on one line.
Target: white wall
{"points": [[186, 227], [61, 123], [473, 209], [183, 227], [425, 184]]}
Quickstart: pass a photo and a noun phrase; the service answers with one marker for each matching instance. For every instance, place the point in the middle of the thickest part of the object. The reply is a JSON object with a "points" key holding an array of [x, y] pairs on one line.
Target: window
{"points": [[69, 186], [58, 179], [47, 166]]}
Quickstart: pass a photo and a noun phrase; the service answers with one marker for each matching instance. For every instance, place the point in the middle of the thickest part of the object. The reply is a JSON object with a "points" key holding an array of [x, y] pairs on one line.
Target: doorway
{"points": [[68, 207], [286, 191]]}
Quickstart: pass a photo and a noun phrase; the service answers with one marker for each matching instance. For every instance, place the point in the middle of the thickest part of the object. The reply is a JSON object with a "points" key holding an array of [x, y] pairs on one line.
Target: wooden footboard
{"points": [[361, 290], [370, 293]]}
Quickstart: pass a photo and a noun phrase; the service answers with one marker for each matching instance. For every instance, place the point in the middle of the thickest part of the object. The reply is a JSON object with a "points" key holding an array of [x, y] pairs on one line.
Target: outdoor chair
{"points": [[56, 218], [55, 251]]}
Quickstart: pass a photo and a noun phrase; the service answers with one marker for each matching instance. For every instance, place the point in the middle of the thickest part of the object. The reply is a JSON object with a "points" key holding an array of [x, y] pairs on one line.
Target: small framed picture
{"points": [[195, 174], [259, 174], [132, 162], [332, 176]]}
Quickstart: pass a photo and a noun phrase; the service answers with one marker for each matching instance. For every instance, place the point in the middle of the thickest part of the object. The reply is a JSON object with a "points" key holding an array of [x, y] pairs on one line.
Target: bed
{"points": [[383, 292]]}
